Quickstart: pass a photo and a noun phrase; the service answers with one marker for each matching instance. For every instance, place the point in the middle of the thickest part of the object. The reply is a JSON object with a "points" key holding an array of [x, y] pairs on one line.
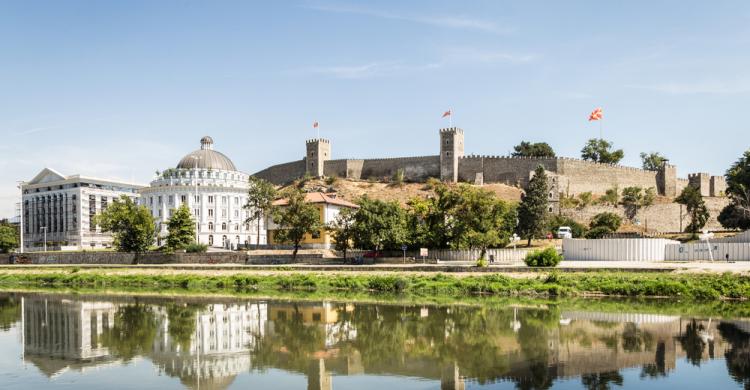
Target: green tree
{"points": [[180, 228], [533, 210], [600, 150], [481, 220], [611, 196], [536, 149], [342, 230], [556, 221], [609, 220], [131, 225], [8, 238], [260, 197], [296, 218], [737, 213], [652, 161], [428, 220], [379, 225], [634, 198], [696, 208]]}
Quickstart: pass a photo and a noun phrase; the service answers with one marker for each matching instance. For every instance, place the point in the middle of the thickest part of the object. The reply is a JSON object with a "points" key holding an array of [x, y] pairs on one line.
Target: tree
{"points": [[260, 197], [181, 229], [537, 149], [611, 196], [737, 213], [696, 208], [133, 332], [296, 219], [481, 220], [428, 219], [379, 225], [652, 161], [131, 225], [556, 221], [533, 210], [599, 150], [8, 238], [342, 230], [609, 220], [634, 198]]}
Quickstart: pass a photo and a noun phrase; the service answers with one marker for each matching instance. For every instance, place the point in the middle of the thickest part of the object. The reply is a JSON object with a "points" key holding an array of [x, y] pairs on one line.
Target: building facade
{"points": [[209, 184], [58, 210]]}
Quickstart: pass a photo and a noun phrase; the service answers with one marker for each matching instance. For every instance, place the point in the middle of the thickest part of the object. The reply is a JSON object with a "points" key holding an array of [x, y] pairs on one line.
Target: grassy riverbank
{"points": [[630, 284]]}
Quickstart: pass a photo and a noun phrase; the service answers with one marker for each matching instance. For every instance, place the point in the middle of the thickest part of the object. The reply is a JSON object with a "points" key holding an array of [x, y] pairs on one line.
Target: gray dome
{"points": [[206, 158]]}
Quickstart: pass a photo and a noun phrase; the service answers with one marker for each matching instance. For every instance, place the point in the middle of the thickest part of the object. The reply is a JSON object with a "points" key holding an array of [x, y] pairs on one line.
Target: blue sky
{"points": [[121, 89]]}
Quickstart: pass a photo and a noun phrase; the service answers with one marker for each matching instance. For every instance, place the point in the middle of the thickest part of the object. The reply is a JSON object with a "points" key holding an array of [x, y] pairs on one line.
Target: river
{"points": [[87, 341]]}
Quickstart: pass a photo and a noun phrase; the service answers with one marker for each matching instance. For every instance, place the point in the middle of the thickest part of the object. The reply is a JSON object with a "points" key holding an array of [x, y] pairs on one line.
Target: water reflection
{"points": [[207, 344]]}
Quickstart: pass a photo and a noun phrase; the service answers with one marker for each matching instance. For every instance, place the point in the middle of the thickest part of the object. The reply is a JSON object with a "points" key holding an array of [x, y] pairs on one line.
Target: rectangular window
{"points": [[160, 212], [197, 212], [223, 200], [183, 198], [236, 213], [210, 199], [210, 212], [171, 199], [224, 213], [151, 200], [197, 199], [160, 199], [236, 200]]}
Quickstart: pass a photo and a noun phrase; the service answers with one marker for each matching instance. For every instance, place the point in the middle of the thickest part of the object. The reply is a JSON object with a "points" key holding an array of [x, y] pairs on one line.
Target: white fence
{"points": [[502, 255], [732, 251], [741, 237], [616, 249]]}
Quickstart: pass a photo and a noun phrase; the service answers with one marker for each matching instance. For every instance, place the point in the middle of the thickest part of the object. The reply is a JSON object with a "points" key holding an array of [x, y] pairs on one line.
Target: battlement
{"points": [[452, 130], [698, 175], [316, 140]]}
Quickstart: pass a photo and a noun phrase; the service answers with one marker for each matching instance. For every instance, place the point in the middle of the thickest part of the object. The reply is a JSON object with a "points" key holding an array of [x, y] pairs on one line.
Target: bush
{"points": [[547, 257], [558, 220], [397, 180], [482, 262], [611, 221], [598, 232], [331, 180], [195, 247]]}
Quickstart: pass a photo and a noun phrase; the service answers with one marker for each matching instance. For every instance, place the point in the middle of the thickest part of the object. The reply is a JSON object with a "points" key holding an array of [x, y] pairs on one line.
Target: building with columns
{"points": [[208, 182], [57, 210]]}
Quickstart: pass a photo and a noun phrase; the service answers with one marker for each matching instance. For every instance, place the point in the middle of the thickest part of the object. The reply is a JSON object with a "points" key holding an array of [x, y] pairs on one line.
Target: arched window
{"points": [[238, 239], [223, 226], [211, 226], [210, 240], [224, 241]]}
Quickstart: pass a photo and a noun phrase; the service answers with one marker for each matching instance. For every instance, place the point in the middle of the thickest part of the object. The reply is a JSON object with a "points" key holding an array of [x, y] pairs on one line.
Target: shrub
{"points": [[482, 262], [585, 199], [611, 221], [331, 180], [558, 220], [195, 247], [611, 196], [598, 232], [397, 180], [547, 257]]}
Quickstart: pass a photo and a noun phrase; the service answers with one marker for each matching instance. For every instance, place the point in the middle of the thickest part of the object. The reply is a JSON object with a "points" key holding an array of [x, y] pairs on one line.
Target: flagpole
{"points": [[450, 118]]}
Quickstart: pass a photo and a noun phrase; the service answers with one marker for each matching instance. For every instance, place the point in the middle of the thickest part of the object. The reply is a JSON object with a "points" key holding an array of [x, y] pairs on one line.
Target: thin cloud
{"points": [[710, 87], [457, 22], [477, 55], [368, 70]]}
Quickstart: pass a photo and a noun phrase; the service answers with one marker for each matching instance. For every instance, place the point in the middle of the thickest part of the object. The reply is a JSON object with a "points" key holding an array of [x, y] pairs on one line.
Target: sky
{"points": [[120, 89]]}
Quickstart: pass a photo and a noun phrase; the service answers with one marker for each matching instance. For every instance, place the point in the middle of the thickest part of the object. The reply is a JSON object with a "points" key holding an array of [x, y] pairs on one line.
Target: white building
{"points": [[57, 210], [213, 189]]}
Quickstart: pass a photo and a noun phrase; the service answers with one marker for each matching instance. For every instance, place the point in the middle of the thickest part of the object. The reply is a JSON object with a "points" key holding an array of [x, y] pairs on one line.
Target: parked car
{"points": [[564, 232]]}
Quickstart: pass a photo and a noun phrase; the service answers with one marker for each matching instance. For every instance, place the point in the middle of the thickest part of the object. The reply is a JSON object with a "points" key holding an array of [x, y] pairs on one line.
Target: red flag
{"points": [[315, 125], [447, 113], [596, 115]]}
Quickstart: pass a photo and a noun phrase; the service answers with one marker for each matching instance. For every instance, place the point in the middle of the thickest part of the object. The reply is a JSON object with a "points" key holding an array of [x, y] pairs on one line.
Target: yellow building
{"points": [[329, 206]]}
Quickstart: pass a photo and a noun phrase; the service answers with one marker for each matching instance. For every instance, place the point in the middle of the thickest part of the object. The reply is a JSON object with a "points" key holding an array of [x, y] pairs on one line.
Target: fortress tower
{"points": [[451, 149], [318, 152]]}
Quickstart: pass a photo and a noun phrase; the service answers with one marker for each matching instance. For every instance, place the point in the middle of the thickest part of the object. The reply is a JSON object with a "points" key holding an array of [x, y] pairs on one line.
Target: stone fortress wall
{"points": [[570, 176]]}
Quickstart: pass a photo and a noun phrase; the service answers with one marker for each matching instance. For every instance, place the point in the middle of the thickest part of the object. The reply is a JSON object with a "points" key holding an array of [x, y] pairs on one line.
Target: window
{"points": [[316, 234], [236, 200], [210, 212], [211, 226], [236, 213], [171, 213], [210, 199], [171, 199], [210, 238], [160, 199], [197, 212], [197, 199], [151, 200], [223, 226], [223, 213], [223, 200], [160, 212], [183, 198]]}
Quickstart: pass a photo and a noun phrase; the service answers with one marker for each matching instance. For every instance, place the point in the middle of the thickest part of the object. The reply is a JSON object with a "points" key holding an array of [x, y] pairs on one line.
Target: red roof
{"points": [[320, 197]]}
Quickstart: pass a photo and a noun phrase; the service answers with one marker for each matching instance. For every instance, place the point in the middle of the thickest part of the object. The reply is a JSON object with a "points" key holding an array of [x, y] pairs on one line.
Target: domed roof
{"points": [[206, 158]]}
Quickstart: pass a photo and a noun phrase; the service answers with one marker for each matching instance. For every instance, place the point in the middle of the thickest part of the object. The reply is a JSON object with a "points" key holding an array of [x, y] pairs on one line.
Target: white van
{"points": [[564, 232]]}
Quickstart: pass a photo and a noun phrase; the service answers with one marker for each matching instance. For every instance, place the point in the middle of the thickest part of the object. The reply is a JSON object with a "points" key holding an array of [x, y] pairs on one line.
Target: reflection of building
{"points": [[63, 333], [209, 184], [218, 348], [324, 315], [329, 206], [63, 206]]}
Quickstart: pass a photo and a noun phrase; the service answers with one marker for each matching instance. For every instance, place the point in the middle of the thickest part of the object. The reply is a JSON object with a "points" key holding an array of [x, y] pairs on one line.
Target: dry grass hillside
{"points": [[354, 189]]}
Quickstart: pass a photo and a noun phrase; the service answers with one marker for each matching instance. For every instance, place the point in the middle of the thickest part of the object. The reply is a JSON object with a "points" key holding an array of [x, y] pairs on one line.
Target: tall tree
{"points": [[696, 208], [635, 198], [600, 150], [534, 208], [737, 213], [342, 230], [296, 218], [652, 161], [537, 149], [131, 225], [481, 220], [260, 197], [180, 228], [8, 239], [379, 225]]}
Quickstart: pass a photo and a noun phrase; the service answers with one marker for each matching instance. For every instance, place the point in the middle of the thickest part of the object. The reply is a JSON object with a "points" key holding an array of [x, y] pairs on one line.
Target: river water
{"points": [[79, 341]]}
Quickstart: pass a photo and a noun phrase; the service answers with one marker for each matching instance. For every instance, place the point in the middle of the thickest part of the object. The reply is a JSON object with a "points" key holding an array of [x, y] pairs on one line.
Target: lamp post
{"points": [[20, 217], [195, 199], [706, 236]]}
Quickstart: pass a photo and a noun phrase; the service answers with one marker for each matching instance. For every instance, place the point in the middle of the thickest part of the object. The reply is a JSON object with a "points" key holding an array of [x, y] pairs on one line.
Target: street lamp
{"points": [[706, 236], [20, 216]]}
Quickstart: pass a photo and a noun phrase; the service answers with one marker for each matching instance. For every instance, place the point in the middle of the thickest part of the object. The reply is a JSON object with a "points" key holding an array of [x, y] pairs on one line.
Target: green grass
{"points": [[693, 287]]}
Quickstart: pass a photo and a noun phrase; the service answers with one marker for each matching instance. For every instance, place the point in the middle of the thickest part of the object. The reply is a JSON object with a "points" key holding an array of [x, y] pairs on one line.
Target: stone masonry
{"points": [[572, 176]]}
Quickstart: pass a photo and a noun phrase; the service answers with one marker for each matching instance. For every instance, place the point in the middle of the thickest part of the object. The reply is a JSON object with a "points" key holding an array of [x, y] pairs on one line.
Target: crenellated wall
{"points": [[585, 176], [502, 169], [283, 173]]}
